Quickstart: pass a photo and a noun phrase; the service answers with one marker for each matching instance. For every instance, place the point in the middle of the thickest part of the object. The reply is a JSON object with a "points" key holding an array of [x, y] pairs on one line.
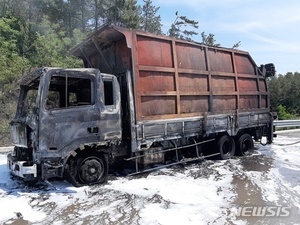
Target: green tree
{"points": [[285, 92], [181, 22], [209, 39], [283, 114], [98, 8], [12, 65], [123, 13], [52, 47], [150, 22]]}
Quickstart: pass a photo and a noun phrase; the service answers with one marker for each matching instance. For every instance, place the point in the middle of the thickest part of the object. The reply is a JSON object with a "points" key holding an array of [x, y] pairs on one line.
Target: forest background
{"points": [[37, 33]]}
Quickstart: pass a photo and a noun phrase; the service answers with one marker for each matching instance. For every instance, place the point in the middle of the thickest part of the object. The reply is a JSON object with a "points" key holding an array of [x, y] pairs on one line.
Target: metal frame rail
{"points": [[176, 148]]}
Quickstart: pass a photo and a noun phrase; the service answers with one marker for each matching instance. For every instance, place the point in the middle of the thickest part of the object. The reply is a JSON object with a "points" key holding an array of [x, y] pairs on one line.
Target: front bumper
{"points": [[21, 168]]}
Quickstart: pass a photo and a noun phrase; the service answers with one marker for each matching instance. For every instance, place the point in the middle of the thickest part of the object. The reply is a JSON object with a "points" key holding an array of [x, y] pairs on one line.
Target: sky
{"points": [[268, 29]]}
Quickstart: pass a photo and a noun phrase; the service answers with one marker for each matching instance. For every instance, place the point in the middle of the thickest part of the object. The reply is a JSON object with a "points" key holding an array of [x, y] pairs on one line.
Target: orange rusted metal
{"points": [[175, 78]]}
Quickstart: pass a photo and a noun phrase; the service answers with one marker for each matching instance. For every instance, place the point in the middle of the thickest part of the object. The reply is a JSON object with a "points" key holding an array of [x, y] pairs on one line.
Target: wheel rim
{"points": [[226, 148], [90, 170], [246, 146]]}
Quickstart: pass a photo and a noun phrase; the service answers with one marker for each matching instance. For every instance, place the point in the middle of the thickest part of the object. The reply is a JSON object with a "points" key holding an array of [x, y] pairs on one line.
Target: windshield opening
{"points": [[67, 91], [28, 98], [27, 101]]}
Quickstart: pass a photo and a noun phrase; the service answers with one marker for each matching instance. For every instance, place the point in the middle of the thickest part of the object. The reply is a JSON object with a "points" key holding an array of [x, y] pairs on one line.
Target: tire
{"points": [[245, 145], [87, 170], [226, 147]]}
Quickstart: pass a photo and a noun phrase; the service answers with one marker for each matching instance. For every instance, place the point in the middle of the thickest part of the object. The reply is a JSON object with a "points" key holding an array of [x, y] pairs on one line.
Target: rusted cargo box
{"points": [[181, 88], [173, 78]]}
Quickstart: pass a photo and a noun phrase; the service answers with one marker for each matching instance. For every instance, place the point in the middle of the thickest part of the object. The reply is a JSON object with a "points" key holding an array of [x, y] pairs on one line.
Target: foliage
{"points": [[23, 47], [283, 114], [285, 92], [181, 22], [209, 39], [123, 13], [236, 45], [12, 62], [52, 47], [150, 22], [12, 65]]}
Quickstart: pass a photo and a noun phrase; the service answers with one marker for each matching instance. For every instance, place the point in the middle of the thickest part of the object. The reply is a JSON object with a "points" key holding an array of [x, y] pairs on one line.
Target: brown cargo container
{"points": [[175, 79], [183, 78]]}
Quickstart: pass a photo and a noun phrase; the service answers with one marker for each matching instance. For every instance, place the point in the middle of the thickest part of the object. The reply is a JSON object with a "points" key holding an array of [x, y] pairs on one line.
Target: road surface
{"points": [[261, 189]]}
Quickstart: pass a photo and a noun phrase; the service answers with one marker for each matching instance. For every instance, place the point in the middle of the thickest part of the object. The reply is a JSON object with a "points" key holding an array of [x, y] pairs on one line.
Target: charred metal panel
{"points": [[253, 119], [169, 129], [154, 155], [19, 134], [107, 49], [153, 130], [124, 56], [81, 114]]}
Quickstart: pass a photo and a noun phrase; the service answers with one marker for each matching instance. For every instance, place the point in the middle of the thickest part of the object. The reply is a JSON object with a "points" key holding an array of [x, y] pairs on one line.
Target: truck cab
{"points": [[60, 113]]}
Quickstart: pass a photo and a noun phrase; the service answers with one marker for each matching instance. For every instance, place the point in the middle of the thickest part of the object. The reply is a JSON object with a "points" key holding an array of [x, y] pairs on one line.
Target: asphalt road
{"points": [[260, 189]]}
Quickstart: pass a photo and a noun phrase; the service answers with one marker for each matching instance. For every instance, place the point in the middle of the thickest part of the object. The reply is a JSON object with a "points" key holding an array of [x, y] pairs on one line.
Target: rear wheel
{"points": [[226, 147], [245, 145], [87, 170]]}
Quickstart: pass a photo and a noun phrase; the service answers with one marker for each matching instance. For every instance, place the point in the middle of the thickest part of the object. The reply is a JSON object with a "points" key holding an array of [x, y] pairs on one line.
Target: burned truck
{"points": [[141, 98]]}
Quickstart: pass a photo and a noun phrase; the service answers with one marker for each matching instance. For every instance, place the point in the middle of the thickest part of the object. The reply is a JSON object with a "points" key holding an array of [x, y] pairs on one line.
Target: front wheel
{"points": [[87, 170], [226, 147]]}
